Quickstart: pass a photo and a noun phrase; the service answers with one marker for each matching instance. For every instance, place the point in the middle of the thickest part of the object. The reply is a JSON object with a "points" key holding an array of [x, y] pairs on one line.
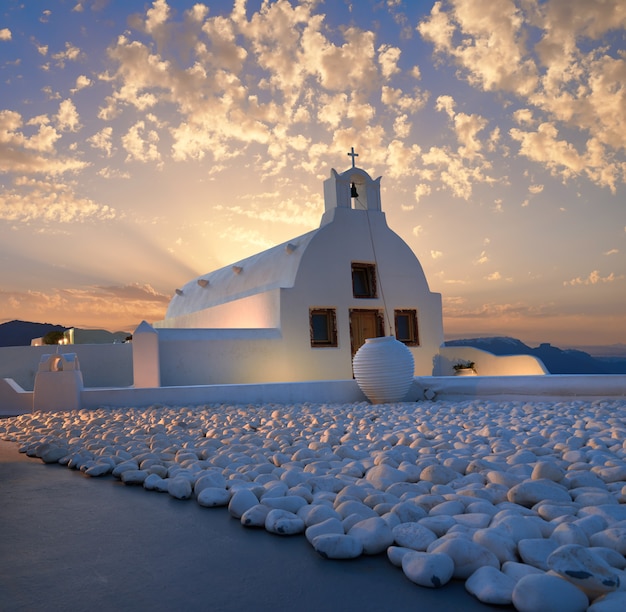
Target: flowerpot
{"points": [[465, 372], [384, 369]]}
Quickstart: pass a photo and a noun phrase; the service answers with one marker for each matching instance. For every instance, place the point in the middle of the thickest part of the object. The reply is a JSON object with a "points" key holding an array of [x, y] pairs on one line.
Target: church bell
{"points": [[353, 191]]}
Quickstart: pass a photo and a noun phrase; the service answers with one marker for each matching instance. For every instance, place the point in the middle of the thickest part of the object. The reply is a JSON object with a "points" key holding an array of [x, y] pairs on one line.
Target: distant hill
{"points": [[20, 333], [558, 361]]}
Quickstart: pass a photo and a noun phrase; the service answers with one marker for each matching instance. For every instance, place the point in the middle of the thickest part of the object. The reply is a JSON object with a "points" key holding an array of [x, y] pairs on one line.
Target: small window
{"points": [[323, 324], [363, 280], [406, 327]]}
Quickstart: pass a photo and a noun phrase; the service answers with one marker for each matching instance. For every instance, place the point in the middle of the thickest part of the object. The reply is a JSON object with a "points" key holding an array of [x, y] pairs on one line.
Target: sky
{"points": [[145, 143]]}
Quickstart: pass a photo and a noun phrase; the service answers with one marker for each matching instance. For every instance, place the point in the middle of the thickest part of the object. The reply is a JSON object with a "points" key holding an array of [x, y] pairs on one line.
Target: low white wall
{"points": [[102, 365], [14, 401], [539, 387], [487, 364]]}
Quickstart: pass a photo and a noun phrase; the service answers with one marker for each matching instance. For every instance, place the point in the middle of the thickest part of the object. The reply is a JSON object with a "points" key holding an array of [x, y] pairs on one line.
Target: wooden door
{"points": [[364, 324]]}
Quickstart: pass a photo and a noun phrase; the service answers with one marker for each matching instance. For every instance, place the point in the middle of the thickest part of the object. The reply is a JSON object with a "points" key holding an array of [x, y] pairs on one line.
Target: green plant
{"points": [[53, 337], [464, 365]]}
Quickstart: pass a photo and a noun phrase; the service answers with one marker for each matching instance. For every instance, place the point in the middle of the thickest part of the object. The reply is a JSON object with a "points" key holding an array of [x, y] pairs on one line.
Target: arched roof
{"points": [[275, 268]]}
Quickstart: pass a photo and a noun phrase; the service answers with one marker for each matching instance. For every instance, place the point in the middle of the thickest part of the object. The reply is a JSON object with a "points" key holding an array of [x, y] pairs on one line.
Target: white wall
{"points": [[102, 365], [261, 310], [487, 364], [225, 356], [325, 280], [490, 388]]}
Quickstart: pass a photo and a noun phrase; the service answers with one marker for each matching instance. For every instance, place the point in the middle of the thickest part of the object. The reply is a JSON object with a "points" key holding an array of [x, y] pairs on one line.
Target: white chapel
{"points": [[300, 310], [296, 313]]}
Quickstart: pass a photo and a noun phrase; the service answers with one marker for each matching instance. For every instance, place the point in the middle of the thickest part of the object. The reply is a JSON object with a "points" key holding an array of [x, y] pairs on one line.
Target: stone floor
{"points": [[71, 543]]}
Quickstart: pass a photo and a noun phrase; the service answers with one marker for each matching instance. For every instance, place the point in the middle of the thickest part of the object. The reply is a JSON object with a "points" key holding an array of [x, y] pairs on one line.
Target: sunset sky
{"points": [[145, 143]]}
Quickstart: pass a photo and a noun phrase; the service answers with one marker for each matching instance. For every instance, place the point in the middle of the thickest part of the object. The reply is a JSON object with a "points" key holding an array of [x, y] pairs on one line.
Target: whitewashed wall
{"points": [[487, 364], [102, 365]]}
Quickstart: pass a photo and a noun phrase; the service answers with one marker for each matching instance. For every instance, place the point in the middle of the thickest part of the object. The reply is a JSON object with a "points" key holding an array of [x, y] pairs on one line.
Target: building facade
{"points": [[300, 310]]}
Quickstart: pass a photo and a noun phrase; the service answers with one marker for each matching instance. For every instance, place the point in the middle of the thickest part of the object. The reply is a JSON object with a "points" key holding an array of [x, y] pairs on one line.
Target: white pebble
{"points": [[583, 568], [491, 586], [212, 497], [395, 554], [134, 477], [431, 570], [613, 537], [98, 469], [240, 501], [535, 551], [329, 526], [413, 535], [519, 570], [499, 542], [531, 492], [283, 522], [154, 482], [612, 602], [338, 546], [179, 487], [292, 503], [255, 516], [541, 592], [374, 534], [467, 555]]}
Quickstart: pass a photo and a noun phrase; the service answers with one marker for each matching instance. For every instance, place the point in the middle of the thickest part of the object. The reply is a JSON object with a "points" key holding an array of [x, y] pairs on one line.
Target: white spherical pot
{"points": [[383, 368]]}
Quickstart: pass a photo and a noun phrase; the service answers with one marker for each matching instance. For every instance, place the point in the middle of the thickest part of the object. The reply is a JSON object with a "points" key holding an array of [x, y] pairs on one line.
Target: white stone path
{"points": [[524, 501]]}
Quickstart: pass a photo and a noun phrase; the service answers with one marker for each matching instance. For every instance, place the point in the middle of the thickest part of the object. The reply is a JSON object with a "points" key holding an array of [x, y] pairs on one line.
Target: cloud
{"points": [[535, 189], [460, 169], [388, 57], [134, 291], [482, 258], [594, 278], [271, 207], [82, 81], [141, 143], [404, 102], [436, 254], [308, 77], [102, 140], [454, 173], [489, 46], [421, 190], [400, 159], [460, 308], [5, 34], [49, 202], [612, 252], [494, 276], [67, 117], [119, 307], [523, 116], [544, 146], [70, 53], [156, 16], [552, 56], [33, 154]]}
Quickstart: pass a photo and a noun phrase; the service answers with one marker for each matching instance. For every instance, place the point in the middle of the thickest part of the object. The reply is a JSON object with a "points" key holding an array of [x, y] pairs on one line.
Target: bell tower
{"points": [[353, 189]]}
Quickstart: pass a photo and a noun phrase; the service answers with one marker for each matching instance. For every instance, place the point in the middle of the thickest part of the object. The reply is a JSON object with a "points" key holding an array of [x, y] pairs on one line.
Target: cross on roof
{"points": [[352, 154]]}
